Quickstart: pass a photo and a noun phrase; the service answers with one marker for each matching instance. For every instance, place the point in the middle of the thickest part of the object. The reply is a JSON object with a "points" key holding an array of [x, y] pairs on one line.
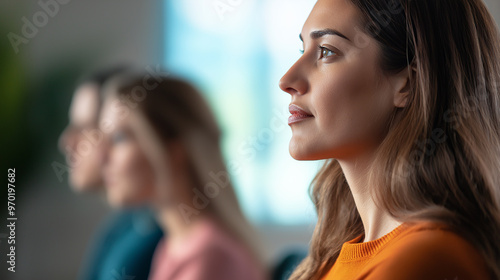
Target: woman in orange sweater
{"points": [[401, 98]]}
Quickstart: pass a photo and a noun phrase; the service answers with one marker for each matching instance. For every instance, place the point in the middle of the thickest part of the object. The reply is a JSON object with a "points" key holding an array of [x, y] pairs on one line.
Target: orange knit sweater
{"points": [[423, 251]]}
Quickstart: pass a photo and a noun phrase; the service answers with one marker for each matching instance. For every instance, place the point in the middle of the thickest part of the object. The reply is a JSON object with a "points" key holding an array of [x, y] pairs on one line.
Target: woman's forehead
{"points": [[341, 15], [85, 104]]}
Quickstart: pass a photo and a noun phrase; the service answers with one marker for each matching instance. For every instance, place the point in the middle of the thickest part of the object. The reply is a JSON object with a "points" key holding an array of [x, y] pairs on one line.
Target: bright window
{"points": [[236, 51]]}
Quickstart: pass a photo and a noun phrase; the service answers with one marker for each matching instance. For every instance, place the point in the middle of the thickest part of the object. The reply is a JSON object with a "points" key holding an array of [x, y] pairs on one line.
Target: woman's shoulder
{"points": [[426, 237], [215, 240], [429, 250], [219, 253]]}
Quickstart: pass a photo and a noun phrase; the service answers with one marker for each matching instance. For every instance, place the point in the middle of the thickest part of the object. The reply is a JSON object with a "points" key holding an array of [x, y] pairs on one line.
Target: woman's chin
{"points": [[119, 202], [311, 152], [300, 153]]}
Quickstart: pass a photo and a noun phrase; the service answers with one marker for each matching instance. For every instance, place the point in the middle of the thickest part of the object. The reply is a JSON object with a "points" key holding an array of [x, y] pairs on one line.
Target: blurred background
{"points": [[235, 51]]}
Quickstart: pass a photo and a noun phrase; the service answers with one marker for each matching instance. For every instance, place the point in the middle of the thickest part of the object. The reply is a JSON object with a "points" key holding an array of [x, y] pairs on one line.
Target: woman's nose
{"points": [[294, 80]]}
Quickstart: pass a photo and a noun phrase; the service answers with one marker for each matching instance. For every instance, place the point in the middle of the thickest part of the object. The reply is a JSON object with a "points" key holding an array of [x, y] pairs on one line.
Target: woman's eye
{"points": [[301, 51], [325, 53]]}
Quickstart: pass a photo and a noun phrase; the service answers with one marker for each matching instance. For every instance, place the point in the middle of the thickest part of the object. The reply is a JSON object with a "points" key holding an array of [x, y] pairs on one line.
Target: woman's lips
{"points": [[298, 114]]}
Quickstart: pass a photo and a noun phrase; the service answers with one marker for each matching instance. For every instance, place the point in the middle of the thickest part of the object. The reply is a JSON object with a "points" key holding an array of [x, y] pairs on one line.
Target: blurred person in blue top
{"points": [[123, 246]]}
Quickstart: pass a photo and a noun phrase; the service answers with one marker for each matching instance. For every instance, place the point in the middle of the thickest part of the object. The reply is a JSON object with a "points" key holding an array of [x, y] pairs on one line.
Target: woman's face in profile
{"points": [[128, 174], [341, 100], [79, 143]]}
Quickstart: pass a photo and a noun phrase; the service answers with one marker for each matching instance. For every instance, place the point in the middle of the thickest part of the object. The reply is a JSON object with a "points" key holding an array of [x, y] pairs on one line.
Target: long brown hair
{"points": [[440, 159], [171, 109]]}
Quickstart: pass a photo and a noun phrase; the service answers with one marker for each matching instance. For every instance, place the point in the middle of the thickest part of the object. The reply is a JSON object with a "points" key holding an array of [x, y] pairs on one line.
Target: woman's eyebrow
{"points": [[323, 32]]}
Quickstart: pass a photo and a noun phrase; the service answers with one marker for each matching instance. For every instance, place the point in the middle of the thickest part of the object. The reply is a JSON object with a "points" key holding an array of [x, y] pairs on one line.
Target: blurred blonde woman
{"points": [[163, 150]]}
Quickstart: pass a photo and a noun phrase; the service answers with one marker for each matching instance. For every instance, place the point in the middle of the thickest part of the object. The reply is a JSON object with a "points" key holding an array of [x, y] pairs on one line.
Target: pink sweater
{"points": [[209, 254]]}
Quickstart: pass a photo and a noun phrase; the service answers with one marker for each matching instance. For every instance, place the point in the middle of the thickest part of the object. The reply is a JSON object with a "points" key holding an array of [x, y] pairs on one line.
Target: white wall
{"points": [[105, 31]]}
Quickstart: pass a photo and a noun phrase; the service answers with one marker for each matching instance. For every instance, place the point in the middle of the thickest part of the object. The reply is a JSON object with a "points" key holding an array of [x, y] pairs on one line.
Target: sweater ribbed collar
{"points": [[354, 250]]}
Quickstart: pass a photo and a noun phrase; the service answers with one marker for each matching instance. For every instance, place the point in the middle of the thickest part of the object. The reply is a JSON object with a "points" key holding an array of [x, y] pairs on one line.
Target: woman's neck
{"points": [[377, 222], [176, 214], [177, 228], [173, 222]]}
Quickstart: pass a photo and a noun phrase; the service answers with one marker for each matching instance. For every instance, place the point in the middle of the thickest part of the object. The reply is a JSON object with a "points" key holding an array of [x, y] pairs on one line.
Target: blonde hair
{"points": [[172, 109], [440, 159]]}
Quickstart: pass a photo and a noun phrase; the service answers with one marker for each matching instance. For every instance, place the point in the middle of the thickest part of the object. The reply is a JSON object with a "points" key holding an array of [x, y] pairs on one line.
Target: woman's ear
{"points": [[402, 86]]}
